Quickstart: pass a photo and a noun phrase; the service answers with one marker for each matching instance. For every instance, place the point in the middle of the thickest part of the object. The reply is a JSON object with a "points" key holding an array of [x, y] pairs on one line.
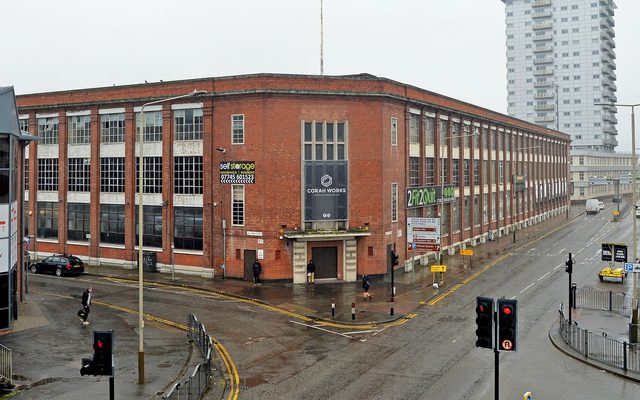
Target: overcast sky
{"points": [[452, 47]]}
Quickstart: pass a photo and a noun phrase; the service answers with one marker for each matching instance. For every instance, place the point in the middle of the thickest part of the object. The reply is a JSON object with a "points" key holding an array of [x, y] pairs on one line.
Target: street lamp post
{"points": [[633, 327], [141, 227]]}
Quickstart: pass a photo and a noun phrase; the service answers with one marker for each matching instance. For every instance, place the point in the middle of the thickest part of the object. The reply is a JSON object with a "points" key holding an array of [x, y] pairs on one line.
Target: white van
{"points": [[592, 206]]}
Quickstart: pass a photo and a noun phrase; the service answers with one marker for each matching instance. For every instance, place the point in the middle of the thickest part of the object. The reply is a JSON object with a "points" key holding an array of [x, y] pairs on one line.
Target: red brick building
{"points": [[282, 168]]}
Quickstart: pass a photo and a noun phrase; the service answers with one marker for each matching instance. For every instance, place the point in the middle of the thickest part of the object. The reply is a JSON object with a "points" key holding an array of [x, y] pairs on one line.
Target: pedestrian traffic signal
{"points": [[394, 258], [484, 322], [507, 324], [102, 361]]}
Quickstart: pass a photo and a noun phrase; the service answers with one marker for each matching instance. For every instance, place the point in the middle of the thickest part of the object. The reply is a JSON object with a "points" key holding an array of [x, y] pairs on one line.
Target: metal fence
{"points": [[6, 366], [596, 299], [598, 346], [199, 382]]}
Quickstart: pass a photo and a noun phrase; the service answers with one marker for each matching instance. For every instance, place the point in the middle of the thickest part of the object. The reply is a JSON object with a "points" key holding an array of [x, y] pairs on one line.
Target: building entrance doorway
{"points": [[249, 259], [326, 261]]}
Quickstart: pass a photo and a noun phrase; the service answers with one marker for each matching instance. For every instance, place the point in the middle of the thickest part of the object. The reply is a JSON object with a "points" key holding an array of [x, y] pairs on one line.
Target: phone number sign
{"points": [[237, 172]]}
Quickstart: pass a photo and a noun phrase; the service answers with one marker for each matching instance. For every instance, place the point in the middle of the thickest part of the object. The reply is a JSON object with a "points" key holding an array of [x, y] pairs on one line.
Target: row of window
{"points": [[187, 174], [188, 226], [482, 138], [495, 212], [187, 125]]}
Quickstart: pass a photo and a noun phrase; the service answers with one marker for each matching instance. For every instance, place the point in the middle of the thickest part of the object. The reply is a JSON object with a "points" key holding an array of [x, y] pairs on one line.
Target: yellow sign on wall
{"points": [[438, 268], [466, 252]]}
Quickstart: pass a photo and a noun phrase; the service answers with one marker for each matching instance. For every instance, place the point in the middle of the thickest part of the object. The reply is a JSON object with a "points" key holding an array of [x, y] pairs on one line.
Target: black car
{"points": [[617, 199], [60, 264]]}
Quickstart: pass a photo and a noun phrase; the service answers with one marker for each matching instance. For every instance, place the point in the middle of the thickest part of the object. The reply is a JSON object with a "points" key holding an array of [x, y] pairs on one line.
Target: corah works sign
{"points": [[429, 195]]}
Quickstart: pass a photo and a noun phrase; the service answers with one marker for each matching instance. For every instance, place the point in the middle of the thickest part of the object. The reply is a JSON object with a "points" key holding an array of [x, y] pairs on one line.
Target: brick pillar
{"points": [[167, 183], [94, 217], [130, 184], [63, 176]]}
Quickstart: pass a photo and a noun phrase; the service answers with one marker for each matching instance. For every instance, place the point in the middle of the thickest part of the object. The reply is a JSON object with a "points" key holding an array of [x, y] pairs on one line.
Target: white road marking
{"points": [[456, 339], [321, 329], [526, 288], [558, 266], [543, 276]]}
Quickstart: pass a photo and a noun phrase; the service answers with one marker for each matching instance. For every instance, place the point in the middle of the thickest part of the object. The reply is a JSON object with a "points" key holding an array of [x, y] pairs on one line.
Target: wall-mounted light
{"points": [[221, 149]]}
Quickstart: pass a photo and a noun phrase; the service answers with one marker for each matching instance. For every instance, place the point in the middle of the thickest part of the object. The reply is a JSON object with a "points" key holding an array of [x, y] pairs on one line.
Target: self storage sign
{"points": [[238, 172]]}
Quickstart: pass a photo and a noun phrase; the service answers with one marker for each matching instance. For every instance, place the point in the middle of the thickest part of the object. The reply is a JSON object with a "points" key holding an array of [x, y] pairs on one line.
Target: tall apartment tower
{"points": [[560, 61]]}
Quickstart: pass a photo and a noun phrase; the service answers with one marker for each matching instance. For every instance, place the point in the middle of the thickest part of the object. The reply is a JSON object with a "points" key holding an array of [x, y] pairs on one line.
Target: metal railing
{"points": [[199, 382], [6, 365], [598, 346], [596, 299]]}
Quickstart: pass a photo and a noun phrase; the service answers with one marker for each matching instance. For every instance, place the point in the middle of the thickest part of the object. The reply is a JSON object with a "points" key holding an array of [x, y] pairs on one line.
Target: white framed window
{"points": [[237, 129], [394, 202], [394, 131], [152, 126], [112, 174], [48, 174], [79, 175], [188, 124], [112, 128], [237, 205], [187, 174], [152, 175], [80, 129], [48, 130]]}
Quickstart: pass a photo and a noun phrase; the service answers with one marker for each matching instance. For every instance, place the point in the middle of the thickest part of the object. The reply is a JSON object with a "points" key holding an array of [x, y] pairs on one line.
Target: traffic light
{"points": [[507, 324], [569, 264], [394, 258], [103, 352], [102, 362], [484, 322]]}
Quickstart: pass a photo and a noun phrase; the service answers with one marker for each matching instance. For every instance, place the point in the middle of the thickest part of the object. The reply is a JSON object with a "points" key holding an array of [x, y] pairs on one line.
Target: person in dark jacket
{"points": [[86, 306], [257, 269], [365, 287], [311, 272]]}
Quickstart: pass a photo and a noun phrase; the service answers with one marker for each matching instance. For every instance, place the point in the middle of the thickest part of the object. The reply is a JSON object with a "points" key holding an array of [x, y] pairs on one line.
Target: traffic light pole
{"points": [[496, 353], [569, 269]]}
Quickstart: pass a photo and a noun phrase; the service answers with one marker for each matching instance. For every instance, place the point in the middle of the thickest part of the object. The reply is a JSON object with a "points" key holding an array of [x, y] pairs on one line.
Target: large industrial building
{"points": [[280, 168], [560, 66]]}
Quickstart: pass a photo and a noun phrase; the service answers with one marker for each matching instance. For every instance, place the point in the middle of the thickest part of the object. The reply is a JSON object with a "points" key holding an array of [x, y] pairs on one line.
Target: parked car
{"points": [[609, 272], [617, 199], [59, 264], [601, 205]]}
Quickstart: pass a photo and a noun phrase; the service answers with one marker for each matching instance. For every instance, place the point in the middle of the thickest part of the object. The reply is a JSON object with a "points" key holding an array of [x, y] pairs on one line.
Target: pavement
{"points": [[413, 288]]}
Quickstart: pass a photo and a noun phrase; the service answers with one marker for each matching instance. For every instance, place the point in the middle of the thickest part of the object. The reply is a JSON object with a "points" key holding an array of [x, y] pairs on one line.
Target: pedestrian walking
{"points": [[257, 269], [311, 272], [365, 287], [86, 306]]}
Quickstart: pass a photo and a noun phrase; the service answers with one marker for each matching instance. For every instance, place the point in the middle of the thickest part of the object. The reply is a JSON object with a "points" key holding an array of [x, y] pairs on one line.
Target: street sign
{"points": [[614, 252], [466, 252], [438, 268], [631, 267], [423, 234]]}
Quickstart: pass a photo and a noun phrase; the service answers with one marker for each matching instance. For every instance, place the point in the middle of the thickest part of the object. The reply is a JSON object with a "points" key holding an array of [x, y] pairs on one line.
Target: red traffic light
{"points": [[99, 344], [506, 310]]}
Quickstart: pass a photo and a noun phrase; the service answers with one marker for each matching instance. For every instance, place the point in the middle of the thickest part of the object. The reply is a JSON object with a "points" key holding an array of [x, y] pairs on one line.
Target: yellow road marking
{"points": [[222, 351], [471, 277], [276, 309]]}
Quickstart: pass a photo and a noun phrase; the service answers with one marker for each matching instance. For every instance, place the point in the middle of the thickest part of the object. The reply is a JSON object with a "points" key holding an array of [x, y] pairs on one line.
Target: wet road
{"points": [[433, 356]]}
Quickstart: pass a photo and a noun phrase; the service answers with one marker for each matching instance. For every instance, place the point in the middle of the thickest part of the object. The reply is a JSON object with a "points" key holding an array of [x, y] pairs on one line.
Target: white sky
{"points": [[452, 47]]}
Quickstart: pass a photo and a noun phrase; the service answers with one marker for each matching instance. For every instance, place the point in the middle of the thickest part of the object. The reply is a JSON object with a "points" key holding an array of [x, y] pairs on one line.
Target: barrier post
{"points": [[333, 308], [353, 311], [391, 305]]}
